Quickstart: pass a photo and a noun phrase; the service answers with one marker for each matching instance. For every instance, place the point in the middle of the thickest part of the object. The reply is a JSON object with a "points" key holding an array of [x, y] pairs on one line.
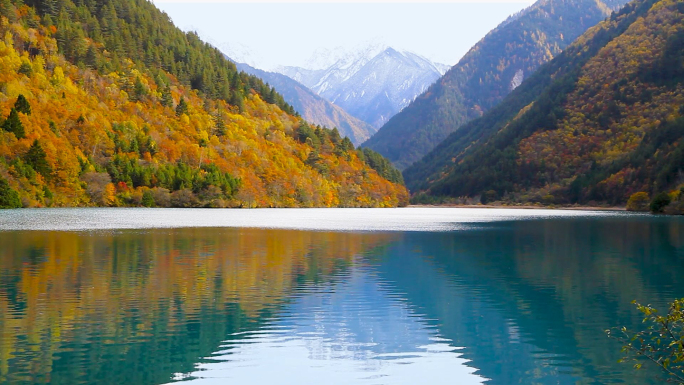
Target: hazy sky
{"points": [[282, 33]]}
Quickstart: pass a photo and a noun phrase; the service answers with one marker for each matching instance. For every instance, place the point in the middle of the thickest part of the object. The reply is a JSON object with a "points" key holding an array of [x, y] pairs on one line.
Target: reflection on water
{"points": [[400, 219], [352, 330], [136, 307], [523, 301], [531, 300]]}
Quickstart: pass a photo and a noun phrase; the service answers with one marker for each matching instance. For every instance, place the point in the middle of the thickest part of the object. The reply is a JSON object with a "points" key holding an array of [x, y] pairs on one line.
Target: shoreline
{"points": [[524, 207], [446, 205]]}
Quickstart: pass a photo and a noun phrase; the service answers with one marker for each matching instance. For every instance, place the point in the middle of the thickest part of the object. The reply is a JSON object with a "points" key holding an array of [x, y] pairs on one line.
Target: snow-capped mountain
{"points": [[372, 84], [320, 78], [324, 58]]}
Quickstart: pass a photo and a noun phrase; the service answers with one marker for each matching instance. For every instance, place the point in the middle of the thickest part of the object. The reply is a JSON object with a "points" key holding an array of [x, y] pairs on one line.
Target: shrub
{"points": [[99, 188], [549, 199], [162, 197], [638, 202], [184, 198], [675, 208], [660, 202], [489, 196], [659, 342]]}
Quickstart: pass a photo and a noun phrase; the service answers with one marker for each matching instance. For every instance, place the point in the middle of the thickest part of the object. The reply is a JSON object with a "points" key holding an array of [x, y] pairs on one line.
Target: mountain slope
{"points": [[486, 74], [320, 76], [108, 35], [372, 86], [312, 107], [110, 104], [602, 121]]}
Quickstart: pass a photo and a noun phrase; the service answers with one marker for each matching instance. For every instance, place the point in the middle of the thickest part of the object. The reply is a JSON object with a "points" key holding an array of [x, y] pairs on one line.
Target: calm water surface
{"points": [[438, 296]]}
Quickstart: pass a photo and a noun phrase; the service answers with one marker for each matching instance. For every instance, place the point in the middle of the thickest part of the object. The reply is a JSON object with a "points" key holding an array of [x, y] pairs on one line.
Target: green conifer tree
{"points": [[13, 124], [166, 97], [220, 126], [22, 105], [148, 199], [91, 57], [237, 101], [9, 199], [182, 107], [139, 91], [25, 69], [37, 158]]}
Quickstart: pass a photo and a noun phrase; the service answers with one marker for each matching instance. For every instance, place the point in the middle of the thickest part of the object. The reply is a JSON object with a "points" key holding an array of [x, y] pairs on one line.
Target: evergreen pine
{"points": [[182, 107], [9, 199], [139, 90], [271, 96], [220, 125], [13, 124], [236, 93], [148, 199], [91, 57], [237, 101], [22, 105], [347, 145], [25, 69], [37, 158], [166, 97]]}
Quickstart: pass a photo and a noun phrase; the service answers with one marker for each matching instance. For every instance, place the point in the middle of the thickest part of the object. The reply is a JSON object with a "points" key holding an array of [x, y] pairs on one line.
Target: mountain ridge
{"points": [[485, 75], [600, 123], [373, 84]]}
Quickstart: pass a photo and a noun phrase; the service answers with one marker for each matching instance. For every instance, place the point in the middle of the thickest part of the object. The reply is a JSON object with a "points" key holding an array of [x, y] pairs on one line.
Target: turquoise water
{"points": [[328, 296]]}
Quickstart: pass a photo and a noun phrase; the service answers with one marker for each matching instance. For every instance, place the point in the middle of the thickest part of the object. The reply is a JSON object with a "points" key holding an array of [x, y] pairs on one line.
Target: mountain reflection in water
{"points": [[523, 301]]}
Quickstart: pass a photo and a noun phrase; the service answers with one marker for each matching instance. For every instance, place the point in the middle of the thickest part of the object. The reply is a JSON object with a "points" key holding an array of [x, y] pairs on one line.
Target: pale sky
{"points": [[274, 33]]}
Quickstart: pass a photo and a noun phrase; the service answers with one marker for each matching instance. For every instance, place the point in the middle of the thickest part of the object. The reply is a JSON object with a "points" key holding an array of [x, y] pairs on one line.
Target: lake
{"points": [[335, 296]]}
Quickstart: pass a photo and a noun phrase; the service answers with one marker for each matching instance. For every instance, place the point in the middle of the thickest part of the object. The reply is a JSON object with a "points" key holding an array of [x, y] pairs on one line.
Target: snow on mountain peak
{"points": [[372, 83], [323, 58]]}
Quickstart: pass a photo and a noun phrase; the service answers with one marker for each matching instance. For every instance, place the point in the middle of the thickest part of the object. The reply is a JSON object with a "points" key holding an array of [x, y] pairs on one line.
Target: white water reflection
{"points": [[356, 330], [401, 219]]}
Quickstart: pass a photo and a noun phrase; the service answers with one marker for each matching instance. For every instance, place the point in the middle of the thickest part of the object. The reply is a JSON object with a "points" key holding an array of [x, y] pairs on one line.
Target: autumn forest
{"points": [[106, 103]]}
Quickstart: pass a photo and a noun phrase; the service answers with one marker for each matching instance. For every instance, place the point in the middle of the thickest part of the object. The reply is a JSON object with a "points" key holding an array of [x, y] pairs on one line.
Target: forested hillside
{"points": [[107, 103], [107, 35], [493, 68], [600, 123], [312, 107]]}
